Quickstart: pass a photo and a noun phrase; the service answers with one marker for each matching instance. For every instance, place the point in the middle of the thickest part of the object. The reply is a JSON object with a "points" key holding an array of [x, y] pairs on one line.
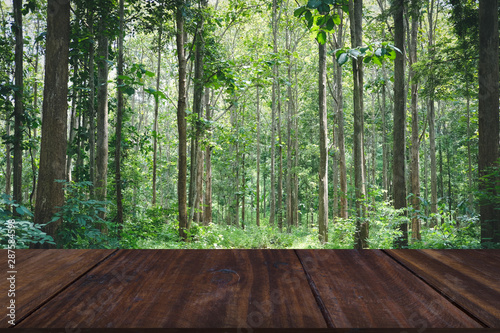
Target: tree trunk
{"points": [[181, 126], [8, 168], [343, 211], [289, 196], [273, 117], [102, 115], [280, 166], [323, 148], [91, 107], [207, 209], [50, 194], [488, 117], [257, 188], [361, 234], [432, 116], [157, 102], [119, 122], [415, 144], [18, 102], [399, 184], [385, 162]]}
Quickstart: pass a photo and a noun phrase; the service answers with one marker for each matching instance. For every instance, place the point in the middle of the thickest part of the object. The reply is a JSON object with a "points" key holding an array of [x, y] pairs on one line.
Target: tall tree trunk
{"points": [[181, 126], [323, 148], [280, 166], [385, 152], [361, 234], [102, 114], [18, 102], [257, 188], [415, 144], [399, 186], [431, 116], [119, 123], [157, 102], [343, 211], [207, 209], [91, 107], [273, 117], [289, 196], [488, 116], [50, 193]]}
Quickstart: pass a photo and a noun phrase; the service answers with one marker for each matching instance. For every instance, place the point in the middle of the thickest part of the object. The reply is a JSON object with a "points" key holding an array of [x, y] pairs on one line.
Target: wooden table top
{"points": [[255, 289]]}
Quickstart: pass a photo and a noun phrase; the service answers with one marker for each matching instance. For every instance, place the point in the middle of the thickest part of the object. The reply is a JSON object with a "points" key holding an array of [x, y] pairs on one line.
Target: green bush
{"points": [[26, 232]]}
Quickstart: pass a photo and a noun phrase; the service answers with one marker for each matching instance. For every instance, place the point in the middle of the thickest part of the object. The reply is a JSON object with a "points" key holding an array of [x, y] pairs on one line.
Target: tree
{"points": [[399, 183], [415, 139], [18, 102], [181, 124], [50, 194], [488, 116], [323, 147], [102, 107], [119, 121], [361, 234]]}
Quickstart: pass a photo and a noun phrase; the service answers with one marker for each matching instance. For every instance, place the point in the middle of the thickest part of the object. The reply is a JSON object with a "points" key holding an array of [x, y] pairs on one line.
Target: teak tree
{"points": [[50, 194]]}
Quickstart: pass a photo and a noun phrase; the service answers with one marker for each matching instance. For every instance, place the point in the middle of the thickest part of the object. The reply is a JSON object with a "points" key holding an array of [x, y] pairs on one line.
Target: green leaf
{"points": [[321, 20], [377, 61], [314, 3], [308, 16], [321, 37], [392, 54], [342, 59], [324, 8], [330, 24], [299, 11], [150, 74], [129, 91], [336, 19], [367, 60]]}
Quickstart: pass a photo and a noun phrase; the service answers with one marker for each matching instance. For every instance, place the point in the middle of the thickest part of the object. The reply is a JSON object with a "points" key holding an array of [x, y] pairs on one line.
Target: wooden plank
{"points": [[187, 289], [368, 289], [43, 273], [470, 278]]}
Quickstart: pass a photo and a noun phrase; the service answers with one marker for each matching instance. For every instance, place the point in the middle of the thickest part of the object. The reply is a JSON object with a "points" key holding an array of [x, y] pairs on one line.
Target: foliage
{"points": [[26, 232], [82, 227]]}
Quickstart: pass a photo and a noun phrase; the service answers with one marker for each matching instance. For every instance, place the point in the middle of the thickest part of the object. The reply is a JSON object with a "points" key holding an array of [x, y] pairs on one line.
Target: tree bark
{"points": [[399, 186], [157, 102], [415, 144], [488, 117], [207, 209], [181, 126], [257, 188], [102, 114], [273, 118], [91, 107], [361, 234], [18, 103], [119, 122], [323, 148], [50, 194]]}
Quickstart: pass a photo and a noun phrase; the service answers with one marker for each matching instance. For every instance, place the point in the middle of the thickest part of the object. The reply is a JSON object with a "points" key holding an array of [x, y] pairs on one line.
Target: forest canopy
{"points": [[249, 124]]}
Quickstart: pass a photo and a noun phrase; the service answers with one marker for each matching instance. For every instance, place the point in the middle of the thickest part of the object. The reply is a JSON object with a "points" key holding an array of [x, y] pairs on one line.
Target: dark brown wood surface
{"points": [[189, 288], [41, 274], [472, 280], [255, 289], [367, 289]]}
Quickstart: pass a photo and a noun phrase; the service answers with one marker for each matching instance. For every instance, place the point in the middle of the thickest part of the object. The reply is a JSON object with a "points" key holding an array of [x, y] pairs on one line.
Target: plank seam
{"points": [[445, 296], [317, 297], [64, 288]]}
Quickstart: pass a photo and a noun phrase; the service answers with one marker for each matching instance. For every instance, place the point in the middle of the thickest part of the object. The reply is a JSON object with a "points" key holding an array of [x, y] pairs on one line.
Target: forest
{"points": [[249, 124]]}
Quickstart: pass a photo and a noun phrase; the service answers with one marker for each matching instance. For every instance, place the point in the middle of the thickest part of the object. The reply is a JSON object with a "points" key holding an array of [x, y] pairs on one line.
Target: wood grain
{"points": [[369, 289], [42, 274], [471, 278], [187, 289]]}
